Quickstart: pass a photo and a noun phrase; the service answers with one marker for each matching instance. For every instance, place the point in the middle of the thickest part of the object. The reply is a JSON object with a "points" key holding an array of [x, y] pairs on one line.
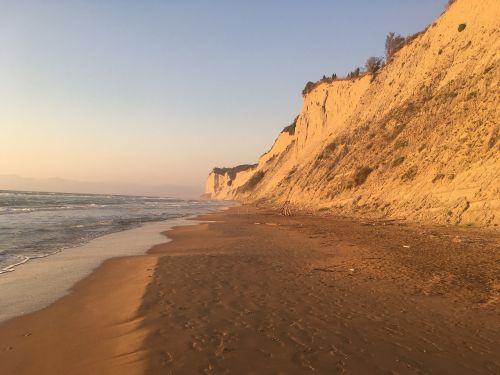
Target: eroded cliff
{"points": [[418, 140]]}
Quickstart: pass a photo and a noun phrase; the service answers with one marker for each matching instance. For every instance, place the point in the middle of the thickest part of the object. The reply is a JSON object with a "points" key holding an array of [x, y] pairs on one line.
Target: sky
{"points": [[160, 92]]}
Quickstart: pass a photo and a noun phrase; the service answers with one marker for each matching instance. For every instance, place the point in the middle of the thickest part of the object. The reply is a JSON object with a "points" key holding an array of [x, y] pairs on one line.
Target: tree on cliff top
{"points": [[373, 64], [309, 86], [355, 73], [393, 43]]}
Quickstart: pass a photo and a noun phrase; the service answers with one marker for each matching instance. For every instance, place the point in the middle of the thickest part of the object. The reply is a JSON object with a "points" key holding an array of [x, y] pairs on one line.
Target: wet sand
{"points": [[255, 292], [93, 330], [40, 282]]}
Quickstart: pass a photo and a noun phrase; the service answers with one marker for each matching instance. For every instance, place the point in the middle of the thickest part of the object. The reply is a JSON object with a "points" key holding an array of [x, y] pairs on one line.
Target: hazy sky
{"points": [[162, 91]]}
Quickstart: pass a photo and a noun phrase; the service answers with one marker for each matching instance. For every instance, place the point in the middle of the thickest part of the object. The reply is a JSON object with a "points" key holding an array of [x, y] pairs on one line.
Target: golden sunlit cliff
{"points": [[417, 140]]}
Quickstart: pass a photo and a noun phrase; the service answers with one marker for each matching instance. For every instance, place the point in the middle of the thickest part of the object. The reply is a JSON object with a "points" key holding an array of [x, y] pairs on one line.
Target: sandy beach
{"points": [[254, 292], [40, 282], [245, 187]]}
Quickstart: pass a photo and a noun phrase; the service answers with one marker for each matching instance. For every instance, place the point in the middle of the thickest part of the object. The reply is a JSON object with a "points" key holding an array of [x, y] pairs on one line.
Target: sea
{"points": [[38, 224]]}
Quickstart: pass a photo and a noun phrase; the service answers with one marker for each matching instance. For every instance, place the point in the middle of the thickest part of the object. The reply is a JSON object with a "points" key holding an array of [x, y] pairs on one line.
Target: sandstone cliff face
{"points": [[221, 182], [420, 140]]}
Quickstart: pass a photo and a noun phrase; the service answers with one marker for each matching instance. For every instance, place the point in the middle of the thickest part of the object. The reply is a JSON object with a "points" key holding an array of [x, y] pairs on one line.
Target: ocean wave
{"points": [[17, 210], [12, 267], [35, 225], [14, 209]]}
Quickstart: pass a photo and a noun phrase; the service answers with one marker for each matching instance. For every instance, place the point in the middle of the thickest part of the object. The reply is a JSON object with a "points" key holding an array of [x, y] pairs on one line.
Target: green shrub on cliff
{"points": [[234, 170], [252, 182], [355, 73], [361, 175], [290, 129], [308, 88]]}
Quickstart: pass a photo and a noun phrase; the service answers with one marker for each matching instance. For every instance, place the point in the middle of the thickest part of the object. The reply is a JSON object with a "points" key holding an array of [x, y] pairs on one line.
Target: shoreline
{"points": [[252, 286], [43, 280]]}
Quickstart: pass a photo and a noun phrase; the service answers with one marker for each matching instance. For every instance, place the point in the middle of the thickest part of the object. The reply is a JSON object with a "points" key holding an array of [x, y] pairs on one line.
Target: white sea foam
{"points": [[11, 267]]}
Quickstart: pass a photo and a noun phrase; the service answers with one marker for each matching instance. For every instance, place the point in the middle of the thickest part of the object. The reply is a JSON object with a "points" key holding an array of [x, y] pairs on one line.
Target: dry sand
{"points": [[255, 292]]}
